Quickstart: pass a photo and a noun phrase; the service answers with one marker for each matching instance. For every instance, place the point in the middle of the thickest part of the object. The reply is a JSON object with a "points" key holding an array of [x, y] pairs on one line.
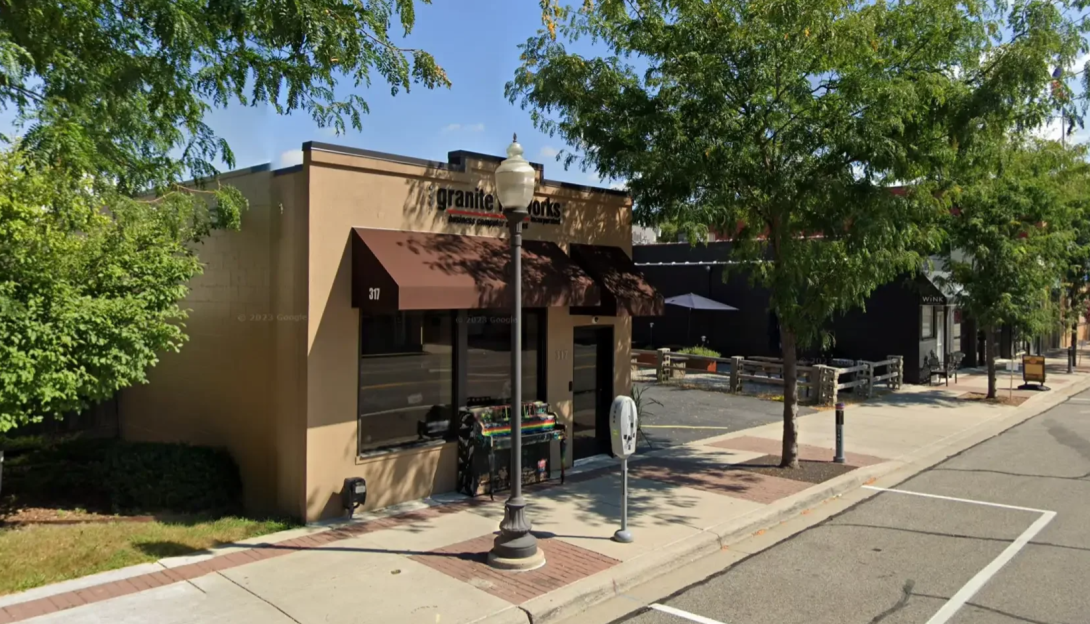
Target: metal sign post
{"points": [[839, 457], [1010, 369], [623, 535]]}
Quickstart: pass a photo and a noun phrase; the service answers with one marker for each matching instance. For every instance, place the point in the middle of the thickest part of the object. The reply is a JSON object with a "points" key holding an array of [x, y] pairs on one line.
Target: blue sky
{"points": [[475, 42]]}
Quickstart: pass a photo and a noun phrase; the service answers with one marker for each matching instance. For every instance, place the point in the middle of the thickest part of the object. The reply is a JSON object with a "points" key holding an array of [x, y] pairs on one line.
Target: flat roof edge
{"points": [[457, 163]]}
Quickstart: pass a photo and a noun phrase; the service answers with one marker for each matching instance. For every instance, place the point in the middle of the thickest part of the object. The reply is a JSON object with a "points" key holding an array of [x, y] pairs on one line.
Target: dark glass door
{"points": [[592, 388]]}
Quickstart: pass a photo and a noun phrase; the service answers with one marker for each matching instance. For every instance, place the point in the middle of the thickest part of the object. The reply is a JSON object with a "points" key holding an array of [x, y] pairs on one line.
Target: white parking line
{"points": [[692, 617], [957, 500], [958, 600]]}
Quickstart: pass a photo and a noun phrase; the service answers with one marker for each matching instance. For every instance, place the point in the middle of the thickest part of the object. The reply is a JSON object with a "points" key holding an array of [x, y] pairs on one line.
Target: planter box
{"points": [[700, 365]]}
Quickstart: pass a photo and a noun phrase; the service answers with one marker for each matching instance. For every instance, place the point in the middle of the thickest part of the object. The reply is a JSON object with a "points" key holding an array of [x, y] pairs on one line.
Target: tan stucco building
{"points": [[366, 293]]}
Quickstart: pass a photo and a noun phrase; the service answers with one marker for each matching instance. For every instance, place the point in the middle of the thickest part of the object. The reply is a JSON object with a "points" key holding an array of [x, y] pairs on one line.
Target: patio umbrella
{"points": [[693, 301]]}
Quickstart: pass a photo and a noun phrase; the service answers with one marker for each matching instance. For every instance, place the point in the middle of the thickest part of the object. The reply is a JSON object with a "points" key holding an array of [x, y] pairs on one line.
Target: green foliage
{"points": [[90, 282], [792, 119], [1015, 231], [125, 476], [110, 99], [789, 118], [668, 233], [699, 350], [121, 89]]}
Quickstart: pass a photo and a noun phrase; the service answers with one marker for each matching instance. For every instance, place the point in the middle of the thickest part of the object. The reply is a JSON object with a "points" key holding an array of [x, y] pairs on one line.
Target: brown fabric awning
{"points": [[394, 270], [614, 270]]}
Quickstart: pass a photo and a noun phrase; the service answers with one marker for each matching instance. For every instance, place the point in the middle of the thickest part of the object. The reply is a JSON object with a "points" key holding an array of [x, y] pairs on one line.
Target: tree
{"points": [[121, 89], [111, 99], [89, 286], [1076, 273], [1010, 237], [1076, 281], [786, 122]]}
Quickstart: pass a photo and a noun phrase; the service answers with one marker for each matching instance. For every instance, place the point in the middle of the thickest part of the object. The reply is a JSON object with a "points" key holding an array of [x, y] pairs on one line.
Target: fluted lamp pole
{"points": [[515, 547]]}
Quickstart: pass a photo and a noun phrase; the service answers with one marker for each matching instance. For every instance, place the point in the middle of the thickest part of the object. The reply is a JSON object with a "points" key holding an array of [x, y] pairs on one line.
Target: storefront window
{"points": [[488, 363], [405, 375], [927, 322]]}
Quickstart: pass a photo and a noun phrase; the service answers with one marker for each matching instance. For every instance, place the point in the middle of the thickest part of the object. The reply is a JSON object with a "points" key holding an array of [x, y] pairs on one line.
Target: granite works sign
{"points": [[476, 207]]}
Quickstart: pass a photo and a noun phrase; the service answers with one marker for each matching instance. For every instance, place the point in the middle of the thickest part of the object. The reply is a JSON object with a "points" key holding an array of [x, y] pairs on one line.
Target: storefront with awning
{"points": [[375, 303]]}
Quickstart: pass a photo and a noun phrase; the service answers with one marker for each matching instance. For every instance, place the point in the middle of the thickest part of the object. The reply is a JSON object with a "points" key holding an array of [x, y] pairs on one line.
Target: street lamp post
{"points": [[515, 547]]}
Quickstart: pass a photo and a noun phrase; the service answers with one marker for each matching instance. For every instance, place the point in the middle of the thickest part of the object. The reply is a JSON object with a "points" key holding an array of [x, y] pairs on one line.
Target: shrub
{"points": [[705, 351], [125, 476], [173, 477], [13, 447]]}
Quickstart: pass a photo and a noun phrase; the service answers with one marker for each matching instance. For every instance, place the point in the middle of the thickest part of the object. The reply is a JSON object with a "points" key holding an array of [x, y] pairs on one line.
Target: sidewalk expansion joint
{"points": [[255, 595]]}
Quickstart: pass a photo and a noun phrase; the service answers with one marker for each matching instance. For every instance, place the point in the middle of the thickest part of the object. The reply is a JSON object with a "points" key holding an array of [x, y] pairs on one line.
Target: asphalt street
{"points": [[673, 415], [917, 557]]}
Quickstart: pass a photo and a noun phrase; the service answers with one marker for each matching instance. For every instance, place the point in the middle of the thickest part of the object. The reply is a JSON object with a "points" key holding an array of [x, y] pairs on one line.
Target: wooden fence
{"points": [[817, 381]]}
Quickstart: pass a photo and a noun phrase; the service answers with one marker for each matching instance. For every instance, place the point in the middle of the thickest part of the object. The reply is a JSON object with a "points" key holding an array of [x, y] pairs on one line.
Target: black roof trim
{"points": [[355, 151], [457, 162], [584, 188], [457, 158], [287, 170]]}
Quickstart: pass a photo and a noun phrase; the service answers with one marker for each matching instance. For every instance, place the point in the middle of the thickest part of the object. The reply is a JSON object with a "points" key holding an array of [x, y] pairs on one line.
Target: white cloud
{"points": [[455, 127], [291, 158], [328, 131], [549, 152], [619, 186]]}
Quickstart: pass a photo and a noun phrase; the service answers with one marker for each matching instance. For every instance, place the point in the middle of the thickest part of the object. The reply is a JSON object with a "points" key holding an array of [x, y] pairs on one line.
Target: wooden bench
{"points": [[943, 368]]}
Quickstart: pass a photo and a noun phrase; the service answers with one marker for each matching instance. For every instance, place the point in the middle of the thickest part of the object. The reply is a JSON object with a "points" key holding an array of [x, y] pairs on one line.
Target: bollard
{"points": [[839, 457], [623, 535]]}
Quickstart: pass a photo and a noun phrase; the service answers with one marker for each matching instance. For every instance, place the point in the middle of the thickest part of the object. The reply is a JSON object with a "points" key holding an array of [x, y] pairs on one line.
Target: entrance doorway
{"points": [[592, 389]]}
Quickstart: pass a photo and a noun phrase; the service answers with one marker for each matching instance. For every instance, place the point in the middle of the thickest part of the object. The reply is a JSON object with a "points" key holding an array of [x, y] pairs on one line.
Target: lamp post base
{"points": [[515, 547], [622, 536], [517, 565]]}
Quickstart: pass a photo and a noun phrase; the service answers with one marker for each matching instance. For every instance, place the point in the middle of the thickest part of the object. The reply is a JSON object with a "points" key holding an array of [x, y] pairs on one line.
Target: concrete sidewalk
{"points": [[425, 562]]}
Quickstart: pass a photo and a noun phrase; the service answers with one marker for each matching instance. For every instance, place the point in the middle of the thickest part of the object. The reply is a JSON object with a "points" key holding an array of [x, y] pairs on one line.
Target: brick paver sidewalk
{"points": [[432, 561]]}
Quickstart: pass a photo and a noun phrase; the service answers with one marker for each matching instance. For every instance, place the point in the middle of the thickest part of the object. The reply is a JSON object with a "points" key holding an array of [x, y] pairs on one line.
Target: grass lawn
{"points": [[39, 554]]}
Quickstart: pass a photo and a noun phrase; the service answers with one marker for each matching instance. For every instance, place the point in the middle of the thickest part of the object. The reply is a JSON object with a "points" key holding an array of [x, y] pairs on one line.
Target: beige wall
{"points": [[270, 370], [290, 294], [217, 390], [347, 191]]}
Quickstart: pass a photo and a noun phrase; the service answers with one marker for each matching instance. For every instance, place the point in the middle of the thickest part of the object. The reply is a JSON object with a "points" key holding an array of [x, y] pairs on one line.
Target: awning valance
{"points": [[620, 279], [394, 270]]}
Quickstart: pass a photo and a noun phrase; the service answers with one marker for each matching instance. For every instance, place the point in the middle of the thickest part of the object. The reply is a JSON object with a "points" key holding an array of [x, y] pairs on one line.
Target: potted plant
{"points": [[702, 365]]}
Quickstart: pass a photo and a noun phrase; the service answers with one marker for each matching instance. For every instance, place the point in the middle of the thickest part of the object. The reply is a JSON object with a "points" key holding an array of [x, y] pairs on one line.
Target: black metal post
{"points": [[515, 544], [839, 457]]}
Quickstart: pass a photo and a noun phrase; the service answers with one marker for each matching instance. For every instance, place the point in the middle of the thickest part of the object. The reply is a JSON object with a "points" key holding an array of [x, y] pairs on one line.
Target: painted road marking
{"points": [[975, 584], [682, 427], [1077, 400], [692, 617]]}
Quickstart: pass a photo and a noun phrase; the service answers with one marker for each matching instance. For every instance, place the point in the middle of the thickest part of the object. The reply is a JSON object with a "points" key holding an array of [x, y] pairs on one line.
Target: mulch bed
{"points": [[13, 514], [808, 471], [1001, 398]]}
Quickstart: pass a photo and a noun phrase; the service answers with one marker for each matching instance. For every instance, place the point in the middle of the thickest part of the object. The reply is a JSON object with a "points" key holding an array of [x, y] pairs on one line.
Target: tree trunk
{"points": [[790, 456], [989, 357]]}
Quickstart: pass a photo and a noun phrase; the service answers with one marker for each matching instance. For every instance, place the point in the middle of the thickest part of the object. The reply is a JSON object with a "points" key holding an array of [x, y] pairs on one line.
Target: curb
{"points": [[565, 603]]}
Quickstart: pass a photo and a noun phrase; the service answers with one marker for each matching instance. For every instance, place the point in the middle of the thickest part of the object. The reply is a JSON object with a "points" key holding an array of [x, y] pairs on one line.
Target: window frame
{"points": [[930, 334], [380, 448], [458, 363]]}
